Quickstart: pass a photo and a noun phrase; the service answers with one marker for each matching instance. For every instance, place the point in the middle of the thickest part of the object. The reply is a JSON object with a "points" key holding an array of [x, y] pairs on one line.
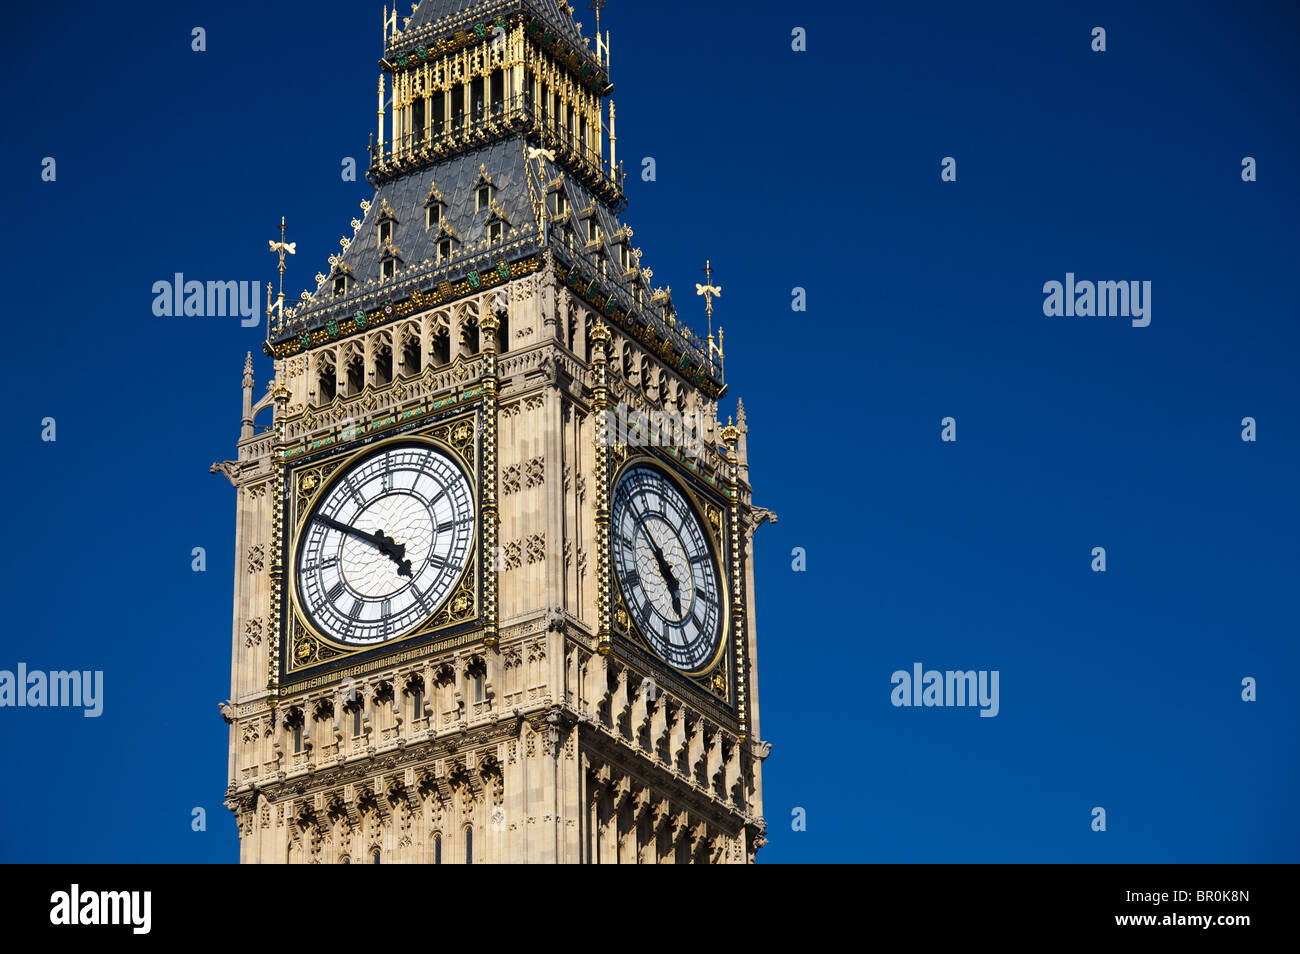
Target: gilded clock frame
{"points": [[460, 436], [707, 511]]}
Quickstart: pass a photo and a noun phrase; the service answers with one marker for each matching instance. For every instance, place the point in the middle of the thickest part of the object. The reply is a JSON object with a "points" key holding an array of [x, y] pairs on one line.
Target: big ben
{"points": [[483, 613]]}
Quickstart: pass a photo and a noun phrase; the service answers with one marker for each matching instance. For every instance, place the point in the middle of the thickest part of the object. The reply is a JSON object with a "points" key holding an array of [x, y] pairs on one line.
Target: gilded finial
{"points": [[730, 434], [709, 290], [613, 135], [597, 6], [282, 248]]}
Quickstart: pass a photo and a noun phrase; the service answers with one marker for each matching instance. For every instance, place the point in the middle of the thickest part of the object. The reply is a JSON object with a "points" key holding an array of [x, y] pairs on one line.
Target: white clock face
{"points": [[385, 545], [666, 569]]}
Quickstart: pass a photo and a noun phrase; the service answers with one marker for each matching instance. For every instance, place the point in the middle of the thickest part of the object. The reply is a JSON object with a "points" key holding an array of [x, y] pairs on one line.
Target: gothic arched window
{"points": [[355, 374], [497, 89], [383, 363], [469, 338], [441, 347], [326, 379], [476, 96], [411, 356], [417, 119]]}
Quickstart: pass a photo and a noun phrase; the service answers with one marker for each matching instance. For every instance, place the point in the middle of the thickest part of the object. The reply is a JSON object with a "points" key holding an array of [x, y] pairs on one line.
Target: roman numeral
{"points": [[357, 607], [335, 591], [422, 601], [352, 489]]}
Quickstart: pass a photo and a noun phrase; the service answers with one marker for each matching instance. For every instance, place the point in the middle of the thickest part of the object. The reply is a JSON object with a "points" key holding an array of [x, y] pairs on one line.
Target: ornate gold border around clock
{"points": [[488, 517], [600, 339], [280, 395], [443, 437], [700, 508], [730, 435]]}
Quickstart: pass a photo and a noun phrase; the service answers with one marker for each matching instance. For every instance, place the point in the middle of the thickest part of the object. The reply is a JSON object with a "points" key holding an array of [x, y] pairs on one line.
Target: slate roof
{"points": [[455, 178], [418, 268], [505, 166]]}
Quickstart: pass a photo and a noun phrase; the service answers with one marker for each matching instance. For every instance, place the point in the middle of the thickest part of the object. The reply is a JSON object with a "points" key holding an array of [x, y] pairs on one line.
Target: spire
{"points": [[711, 291], [602, 45], [742, 442], [246, 419], [613, 138], [283, 248]]}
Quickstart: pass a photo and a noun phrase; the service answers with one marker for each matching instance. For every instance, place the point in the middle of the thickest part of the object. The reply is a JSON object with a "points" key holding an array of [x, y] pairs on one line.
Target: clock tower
{"points": [[493, 575]]}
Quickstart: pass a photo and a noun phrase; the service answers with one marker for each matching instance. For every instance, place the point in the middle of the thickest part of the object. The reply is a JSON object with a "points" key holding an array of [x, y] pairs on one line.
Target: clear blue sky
{"points": [[817, 169]]}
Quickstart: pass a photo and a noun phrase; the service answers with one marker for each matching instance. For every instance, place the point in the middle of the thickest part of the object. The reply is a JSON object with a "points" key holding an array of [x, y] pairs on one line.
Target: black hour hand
{"points": [[394, 551], [665, 570]]}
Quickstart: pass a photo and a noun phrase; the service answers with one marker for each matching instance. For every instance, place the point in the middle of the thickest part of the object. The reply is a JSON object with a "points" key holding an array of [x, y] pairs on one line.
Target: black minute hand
{"points": [[384, 544]]}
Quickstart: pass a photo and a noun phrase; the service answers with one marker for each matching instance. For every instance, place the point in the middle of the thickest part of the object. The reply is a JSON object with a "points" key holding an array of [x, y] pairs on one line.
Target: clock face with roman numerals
{"points": [[385, 544], [666, 569]]}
